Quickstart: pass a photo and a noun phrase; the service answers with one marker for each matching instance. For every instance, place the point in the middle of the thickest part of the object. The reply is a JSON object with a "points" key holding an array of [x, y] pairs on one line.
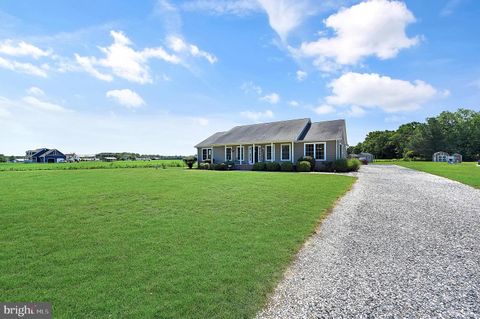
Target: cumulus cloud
{"points": [[126, 97], [124, 61], [371, 28], [35, 91], [356, 111], [374, 90], [257, 116], [293, 103], [272, 98], [249, 87], [286, 15], [179, 45], [24, 67], [301, 75], [324, 109], [22, 48]]}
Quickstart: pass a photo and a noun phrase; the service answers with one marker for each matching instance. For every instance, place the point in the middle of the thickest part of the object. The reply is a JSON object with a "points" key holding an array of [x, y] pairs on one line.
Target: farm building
{"points": [[445, 157], [45, 155]]}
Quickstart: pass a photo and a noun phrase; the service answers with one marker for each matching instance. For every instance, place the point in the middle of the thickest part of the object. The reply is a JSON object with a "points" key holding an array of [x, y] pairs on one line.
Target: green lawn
{"points": [[90, 165], [144, 243], [467, 172]]}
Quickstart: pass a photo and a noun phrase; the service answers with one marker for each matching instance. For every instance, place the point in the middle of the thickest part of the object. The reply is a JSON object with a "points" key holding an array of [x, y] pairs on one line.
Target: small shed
{"points": [[110, 159], [457, 158], [440, 157], [366, 156]]}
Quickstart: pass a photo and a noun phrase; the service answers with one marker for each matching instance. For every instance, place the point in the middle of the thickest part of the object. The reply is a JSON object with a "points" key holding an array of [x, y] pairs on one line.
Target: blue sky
{"points": [[159, 76]]}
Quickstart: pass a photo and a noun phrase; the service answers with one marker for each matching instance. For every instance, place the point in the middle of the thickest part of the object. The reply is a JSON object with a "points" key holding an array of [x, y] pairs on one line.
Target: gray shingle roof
{"points": [[324, 131], [280, 131]]}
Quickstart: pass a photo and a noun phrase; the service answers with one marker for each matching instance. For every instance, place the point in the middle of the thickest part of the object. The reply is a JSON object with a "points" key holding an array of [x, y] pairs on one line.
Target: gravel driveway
{"points": [[402, 243]]}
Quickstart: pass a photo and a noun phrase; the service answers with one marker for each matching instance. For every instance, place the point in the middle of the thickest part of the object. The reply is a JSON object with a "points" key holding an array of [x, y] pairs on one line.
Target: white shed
{"points": [[367, 156], [440, 157]]}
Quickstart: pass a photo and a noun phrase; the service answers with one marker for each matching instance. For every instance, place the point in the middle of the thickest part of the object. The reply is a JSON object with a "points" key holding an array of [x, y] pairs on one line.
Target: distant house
{"points": [[109, 159], [72, 157], [283, 141], [88, 158], [44, 155], [445, 157]]}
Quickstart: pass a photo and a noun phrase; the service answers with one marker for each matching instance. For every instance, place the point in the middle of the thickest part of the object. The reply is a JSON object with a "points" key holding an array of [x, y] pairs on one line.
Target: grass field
{"points": [[90, 165], [146, 243], [467, 172]]}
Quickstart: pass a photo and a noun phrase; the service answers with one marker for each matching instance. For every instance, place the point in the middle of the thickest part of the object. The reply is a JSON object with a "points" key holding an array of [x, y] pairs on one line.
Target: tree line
{"points": [[452, 132]]}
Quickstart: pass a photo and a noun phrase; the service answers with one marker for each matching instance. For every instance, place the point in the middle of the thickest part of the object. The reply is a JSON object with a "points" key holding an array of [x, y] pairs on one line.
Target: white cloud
{"points": [[248, 87], [257, 116], [23, 67], [236, 7], [178, 45], [450, 7], [286, 15], [293, 103], [371, 28], [35, 91], [201, 121], [301, 75], [374, 90], [21, 48], [324, 109], [356, 111], [126, 97], [272, 98], [123, 61], [43, 105]]}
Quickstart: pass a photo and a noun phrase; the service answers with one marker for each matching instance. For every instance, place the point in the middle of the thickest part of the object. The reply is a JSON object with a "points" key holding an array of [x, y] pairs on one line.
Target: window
{"points": [[285, 150], [315, 150], [228, 154], [309, 150], [268, 152], [320, 151], [206, 154], [239, 153]]}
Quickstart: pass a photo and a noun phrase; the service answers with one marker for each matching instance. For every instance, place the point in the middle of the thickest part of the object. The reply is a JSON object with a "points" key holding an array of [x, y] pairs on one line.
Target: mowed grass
{"points": [[90, 165], [146, 243], [467, 172]]}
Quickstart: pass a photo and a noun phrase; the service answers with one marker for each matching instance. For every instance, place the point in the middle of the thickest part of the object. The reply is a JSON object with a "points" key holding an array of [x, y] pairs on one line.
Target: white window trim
{"points": [[289, 152], [266, 153], [211, 153], [240, 151], [315, 150]]}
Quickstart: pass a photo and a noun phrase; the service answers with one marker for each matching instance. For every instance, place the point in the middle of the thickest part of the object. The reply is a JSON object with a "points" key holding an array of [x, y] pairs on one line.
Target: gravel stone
{"points": [[400, 244]]}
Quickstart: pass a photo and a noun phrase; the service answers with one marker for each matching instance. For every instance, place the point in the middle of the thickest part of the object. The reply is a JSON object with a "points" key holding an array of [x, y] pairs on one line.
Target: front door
{"points": [[250, 154]]}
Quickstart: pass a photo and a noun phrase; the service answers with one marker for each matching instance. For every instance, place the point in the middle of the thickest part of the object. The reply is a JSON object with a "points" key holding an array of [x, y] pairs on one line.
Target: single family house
{"points": [[276, 142], [45, 155]]}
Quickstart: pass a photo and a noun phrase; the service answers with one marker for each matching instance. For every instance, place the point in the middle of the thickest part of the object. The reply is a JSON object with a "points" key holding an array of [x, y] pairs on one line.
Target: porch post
{"points": [[253, 153], [271, 152], [225, 154], [211, 160], [240, 156], [293, 152]]}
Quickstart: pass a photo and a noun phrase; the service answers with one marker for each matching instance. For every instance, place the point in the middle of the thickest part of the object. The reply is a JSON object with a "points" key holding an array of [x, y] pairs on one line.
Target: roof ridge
{"points": [[263, 123]]}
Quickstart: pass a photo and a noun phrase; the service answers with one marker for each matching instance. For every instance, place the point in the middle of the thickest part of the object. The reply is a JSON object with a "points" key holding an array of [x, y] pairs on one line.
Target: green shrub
{"points": [[220, 167], [309, 159], [272, 166], [344, 165], [259, 166], [230, 165], [204, 166], [190, 161], [303, 166], [286, 167]]}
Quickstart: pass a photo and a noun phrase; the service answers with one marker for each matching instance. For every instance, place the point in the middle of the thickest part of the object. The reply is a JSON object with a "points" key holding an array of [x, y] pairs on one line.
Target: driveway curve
{"points": [[401, 243]]}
